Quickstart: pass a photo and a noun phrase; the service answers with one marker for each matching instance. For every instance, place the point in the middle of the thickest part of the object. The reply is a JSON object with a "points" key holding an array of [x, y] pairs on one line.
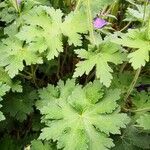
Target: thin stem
{"points": [[33, 72], [25, 76], [145, 7], [16, 6], [77, 6], [137, 110], [89, 77], [123, 67], [28, 73], [58, 69], [64, 60], [125, 27], [144, 109], [132, 84], [90, 22]]}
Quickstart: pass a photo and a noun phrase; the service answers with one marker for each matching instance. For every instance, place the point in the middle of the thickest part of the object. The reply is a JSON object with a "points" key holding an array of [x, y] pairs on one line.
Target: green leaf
{"points": [[3, 89], [45, 28], [122, 81], [8, 143], [74, 24], [139, 13], [136, 39], [5, 79], [141, 101], [8, 12], [144, 121], [38, 145], [100, 57], [13, 53], [19, 105], [78, 120], [132, 139], [96, 6]]}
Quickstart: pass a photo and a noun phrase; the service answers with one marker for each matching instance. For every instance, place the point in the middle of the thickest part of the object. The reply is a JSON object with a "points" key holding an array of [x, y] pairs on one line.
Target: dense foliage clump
{"points": [[74, 74]]}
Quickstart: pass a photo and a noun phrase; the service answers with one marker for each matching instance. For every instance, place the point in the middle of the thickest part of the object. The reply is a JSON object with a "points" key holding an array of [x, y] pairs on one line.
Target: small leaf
{"points": [[144, 121]]}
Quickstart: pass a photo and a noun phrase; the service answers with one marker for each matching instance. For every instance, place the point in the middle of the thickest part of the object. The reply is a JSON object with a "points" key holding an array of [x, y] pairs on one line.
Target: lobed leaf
{"points": [[77, 120]]}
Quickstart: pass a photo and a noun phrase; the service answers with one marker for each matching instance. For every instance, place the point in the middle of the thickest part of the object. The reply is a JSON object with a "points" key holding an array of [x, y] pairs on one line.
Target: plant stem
{"points": [[33, 72], [123, 67], [25, 76], [132, 84], [125, 27], [144, 109], [137, 110], [90, 22], [16, 6], [77, 6], [89, 77], [58, 69]]}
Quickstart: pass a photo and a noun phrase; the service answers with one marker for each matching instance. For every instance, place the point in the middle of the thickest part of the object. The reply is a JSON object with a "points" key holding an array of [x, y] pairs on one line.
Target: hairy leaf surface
{"points": [[77, 119]]}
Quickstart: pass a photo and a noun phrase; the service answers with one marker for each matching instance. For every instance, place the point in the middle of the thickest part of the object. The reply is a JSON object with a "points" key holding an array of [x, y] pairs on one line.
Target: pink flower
{"points": [[99, 23]]}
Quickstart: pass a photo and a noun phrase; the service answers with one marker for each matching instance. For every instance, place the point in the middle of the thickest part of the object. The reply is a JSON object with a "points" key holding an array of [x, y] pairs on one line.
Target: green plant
{"points": [[74, 74]]}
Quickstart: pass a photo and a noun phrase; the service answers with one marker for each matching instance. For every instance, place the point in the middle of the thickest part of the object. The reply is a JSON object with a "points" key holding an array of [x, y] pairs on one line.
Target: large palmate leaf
{"points": [[80, 117], [99, 56], [139, 41], [45, 28], [3, 89], [13, 54]]}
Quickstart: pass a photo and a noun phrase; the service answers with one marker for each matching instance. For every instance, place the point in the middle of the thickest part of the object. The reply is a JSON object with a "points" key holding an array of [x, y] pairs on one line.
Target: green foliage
{"points": [[20, 105], [144, 121], [13, 13], [3, 89], [45, 28], [80, 117], [14, 53], [139, 41], [5, 79], [38, 145], [96, 6], [7, 143], [142, 107], [140, 14], [132, 139], [99, 56], [142, 101], [122, 81], [104, 104]]}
